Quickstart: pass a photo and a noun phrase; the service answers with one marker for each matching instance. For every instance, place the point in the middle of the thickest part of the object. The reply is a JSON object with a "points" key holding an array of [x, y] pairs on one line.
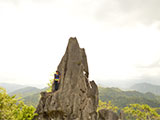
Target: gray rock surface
{"points": [[104, 114], [77, 97]]}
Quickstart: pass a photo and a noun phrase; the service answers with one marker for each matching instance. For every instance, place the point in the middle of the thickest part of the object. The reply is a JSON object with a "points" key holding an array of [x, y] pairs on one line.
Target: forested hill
{"points": [[123, 98], [30, 95], [23, 92]]}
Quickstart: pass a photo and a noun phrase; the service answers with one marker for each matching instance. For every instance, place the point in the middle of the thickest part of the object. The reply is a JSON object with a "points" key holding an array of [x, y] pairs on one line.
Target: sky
{"points": [[121, 39]]}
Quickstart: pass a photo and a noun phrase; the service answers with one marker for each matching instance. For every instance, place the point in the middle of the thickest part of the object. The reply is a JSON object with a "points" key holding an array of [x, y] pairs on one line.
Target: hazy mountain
{"points": [[10, 87], [30, 95], [123, 98], [23, 92], [146, 87], [125, 84]]}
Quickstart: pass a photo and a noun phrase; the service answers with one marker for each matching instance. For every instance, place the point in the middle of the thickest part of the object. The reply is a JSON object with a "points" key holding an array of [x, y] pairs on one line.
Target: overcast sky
{"points": [[121, 38]]}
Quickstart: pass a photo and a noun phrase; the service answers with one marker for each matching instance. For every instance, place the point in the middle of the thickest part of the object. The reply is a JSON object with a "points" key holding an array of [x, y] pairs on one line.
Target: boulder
{"points": [[105, 114]]}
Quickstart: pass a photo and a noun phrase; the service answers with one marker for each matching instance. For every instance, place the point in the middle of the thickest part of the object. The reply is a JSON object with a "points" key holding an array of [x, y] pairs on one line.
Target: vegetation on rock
{"points": [[51, 80], [107, 105]]}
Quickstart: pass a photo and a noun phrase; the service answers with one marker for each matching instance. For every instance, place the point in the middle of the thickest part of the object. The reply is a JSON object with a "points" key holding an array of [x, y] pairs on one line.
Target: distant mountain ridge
{"points": [[10, 87], [23, 92], [123, 98], [147, 87], [30, 95]]}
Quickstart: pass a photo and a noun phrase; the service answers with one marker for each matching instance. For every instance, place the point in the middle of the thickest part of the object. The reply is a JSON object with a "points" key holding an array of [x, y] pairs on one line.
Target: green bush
{"points": [[141, 112], [12, 108]]}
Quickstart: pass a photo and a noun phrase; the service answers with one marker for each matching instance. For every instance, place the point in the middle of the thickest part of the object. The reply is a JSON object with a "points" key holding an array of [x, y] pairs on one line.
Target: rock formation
{"points": [[77, 97], [104, 114]]}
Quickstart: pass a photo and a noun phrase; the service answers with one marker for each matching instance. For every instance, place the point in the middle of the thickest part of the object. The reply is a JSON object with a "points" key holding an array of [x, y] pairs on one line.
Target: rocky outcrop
{"points": [[77, 97], [104, 114]]}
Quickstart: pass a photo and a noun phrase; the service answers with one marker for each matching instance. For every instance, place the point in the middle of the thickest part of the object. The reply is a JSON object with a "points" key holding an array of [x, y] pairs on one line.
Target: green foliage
{"points": [[12, 108], [50, 85], [141, 112], [101, 105], [108, 106], [51, 80]]}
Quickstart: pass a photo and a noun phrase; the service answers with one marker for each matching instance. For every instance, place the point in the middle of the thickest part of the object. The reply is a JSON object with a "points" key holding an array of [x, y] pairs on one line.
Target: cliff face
{"points": [[77, 97]]}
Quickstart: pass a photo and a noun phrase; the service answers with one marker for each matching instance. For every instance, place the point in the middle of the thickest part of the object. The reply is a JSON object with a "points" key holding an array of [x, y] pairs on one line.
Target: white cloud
{"points": [[115, 34]]}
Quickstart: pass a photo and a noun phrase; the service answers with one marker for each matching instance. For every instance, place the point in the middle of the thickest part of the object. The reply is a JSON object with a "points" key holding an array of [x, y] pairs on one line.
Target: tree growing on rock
{"points": [[107, 105], [50, 84]]}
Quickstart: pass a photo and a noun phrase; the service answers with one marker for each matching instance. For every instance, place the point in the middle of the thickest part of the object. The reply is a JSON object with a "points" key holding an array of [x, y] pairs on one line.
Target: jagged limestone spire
{"points": [[77, 97]]}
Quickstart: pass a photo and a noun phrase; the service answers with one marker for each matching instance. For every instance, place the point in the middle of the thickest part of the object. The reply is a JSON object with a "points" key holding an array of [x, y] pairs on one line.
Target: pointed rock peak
{"points": [[73, 44], [73, 40], [74, 61], [76, 97]]}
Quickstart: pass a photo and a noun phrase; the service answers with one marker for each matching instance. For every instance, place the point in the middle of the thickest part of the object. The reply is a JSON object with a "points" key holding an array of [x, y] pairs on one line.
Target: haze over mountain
{"points": [[126, 84], [26, 91], [10, 87], [146, 87], [30, 95]]}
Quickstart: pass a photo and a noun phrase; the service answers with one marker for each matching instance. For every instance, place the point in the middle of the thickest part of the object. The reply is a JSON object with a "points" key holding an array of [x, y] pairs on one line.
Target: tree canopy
{"points": [[12, 108], [141, 112]]}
